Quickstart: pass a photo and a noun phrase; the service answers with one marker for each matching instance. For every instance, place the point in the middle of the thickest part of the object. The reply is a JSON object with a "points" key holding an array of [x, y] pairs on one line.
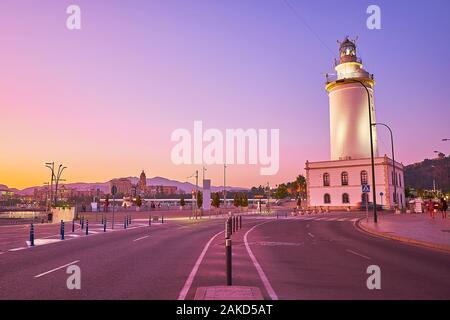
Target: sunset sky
{"points": [[104, 100]]}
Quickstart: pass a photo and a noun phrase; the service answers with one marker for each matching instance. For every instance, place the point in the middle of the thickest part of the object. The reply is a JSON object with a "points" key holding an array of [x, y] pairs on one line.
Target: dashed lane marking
{"points": [[358, 254], [57, 268]]}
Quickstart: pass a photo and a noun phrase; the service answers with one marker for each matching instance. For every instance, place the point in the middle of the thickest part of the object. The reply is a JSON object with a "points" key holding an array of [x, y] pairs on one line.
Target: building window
{"points": [[326, 198], [344, 178], [364, 179], [345, 198], [326, 179]]}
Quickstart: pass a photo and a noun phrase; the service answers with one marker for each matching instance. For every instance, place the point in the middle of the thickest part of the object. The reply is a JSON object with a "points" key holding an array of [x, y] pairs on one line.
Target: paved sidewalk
{"points": [[417, 229]]}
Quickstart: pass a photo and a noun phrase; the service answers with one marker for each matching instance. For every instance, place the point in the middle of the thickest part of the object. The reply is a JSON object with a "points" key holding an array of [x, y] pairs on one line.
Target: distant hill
{"points": [[104, 186], [420, 175]]}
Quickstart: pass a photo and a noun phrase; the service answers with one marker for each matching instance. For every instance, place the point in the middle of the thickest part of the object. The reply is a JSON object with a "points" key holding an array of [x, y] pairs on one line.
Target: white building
{"points": [[337, 184]]}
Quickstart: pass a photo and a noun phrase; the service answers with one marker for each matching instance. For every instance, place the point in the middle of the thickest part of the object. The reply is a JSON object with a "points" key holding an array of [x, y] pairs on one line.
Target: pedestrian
{"points": [[430, 208], [437, 208], [444, 207]]}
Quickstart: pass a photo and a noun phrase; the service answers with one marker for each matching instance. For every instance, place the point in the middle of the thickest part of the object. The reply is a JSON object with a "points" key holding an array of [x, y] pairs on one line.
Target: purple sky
{"points": [[104, 100]]}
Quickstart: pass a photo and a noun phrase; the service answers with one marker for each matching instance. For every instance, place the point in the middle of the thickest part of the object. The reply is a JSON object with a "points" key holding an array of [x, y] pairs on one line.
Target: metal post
{"points": [[114, 202], [228, 261], [32, 235], [62, 230], [394, 181], [375, 216], [87, 227], [240, 222], [162, 217], [104, 226], [124, 223], [73, 225]]}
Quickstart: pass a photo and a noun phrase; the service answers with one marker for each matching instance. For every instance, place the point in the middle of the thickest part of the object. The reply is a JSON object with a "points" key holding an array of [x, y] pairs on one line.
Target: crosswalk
{"points": [[309, 218], [338, 219], [95, 228]]}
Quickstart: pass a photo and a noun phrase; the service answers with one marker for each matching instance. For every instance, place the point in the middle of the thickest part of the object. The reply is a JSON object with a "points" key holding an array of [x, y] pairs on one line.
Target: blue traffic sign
{"points": [[365, 188]]}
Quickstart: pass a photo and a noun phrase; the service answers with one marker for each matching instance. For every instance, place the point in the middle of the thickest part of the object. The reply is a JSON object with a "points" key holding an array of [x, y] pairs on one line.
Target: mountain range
{"points": [[104, 186]]}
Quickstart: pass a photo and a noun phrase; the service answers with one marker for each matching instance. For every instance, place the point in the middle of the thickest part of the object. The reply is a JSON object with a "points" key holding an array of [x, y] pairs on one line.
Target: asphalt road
{"points": [[322, 258]]}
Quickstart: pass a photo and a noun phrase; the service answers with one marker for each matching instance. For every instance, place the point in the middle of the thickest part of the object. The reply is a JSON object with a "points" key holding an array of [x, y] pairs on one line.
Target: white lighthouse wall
{"points": [[349, 122], [383, 175]]}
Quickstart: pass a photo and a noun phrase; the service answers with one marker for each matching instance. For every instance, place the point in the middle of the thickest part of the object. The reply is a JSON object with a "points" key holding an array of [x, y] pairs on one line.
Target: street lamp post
{"points": [[58, 176], [224, 186], [51, 166], [394, 181], [375, 218]]}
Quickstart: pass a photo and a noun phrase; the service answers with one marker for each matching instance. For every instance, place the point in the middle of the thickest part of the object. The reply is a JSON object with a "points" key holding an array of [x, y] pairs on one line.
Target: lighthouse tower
{"points": [[349, 111]]}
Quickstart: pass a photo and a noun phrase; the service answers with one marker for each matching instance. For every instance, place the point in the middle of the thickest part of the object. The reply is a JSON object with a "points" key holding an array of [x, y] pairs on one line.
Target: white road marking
{"points": [[358, 254], [184, 291], [310, 234], [141, 238], [342, 219], [58, 268], [258, 267], [17, 249]]}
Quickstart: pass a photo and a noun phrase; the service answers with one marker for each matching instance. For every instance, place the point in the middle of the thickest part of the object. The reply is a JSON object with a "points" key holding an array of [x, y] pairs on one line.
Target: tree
{"points": [[216, 200], [182, 202], [281, 192], [244, 200], [237, 200], [138, 201], [199, 199]]}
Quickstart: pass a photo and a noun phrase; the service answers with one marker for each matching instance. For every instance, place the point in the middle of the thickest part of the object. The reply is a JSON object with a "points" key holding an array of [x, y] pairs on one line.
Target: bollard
{"points": [[73, 225], [125, 224], [149, 221], [130, 220], [277, 214], [162, 218], [231, 225], [62, 230], [87, 227], [240, 222], [228, 261], [227, 229], [82, 223], [104, 225], [32, 235]]}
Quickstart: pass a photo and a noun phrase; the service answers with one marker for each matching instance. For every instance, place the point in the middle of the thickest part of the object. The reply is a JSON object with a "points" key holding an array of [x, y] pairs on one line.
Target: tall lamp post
{"points": [[224, 186], [375, 217], [394, 180], [58, 176], [51, 166]]}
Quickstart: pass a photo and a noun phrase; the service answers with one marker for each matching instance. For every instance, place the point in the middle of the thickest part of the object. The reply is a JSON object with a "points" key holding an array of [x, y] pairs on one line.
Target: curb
{"points": [[420, 243]]}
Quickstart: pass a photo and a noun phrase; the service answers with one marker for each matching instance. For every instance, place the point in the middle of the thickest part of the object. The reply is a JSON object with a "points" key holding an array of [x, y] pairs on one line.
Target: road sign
{"points": [[365, 188], [113, 190], [381, 194]]}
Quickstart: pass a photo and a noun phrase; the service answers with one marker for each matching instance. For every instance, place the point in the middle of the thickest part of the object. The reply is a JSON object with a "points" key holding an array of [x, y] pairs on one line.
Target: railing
{"points": [[356, 75]]}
